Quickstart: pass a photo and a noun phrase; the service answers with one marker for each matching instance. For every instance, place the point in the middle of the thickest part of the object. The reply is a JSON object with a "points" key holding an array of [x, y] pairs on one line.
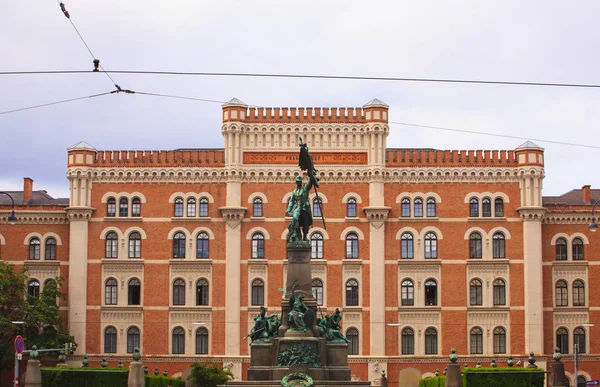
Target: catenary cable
{"points": [[57, 102]]}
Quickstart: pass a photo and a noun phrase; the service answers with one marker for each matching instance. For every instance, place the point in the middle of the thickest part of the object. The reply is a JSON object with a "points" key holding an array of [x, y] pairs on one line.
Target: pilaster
{"points": [[377, 217], [233, 217], [532, 255], [78, 257]]}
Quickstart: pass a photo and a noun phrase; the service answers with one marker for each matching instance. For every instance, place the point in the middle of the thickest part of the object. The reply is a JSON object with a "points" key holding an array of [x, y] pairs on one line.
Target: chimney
{"points": [[587, 194], [27, 188]]}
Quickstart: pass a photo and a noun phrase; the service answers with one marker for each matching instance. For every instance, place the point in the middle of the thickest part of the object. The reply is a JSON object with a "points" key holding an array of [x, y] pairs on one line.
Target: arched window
{"points": [[50, 249], [317, 289], [577, 249], [136, 207], [34, 248], [123, 207], [407, 293], [405, 207], [317, 207], [562, 340], [110, 340], [431, 210], [476, 292], [111, 245], [351, 245], [352, 335], [179, 292], [407, 246], [316, 244], [203, 207], [133, 339], [486, 207], [418, 203], [499, 292], [499, 245], [474, 207], [178, 341], [202, 245], [111, 287], [499, 207], [561, 249], [408, 341], [352, 292], [351, 208], [201, 341], [258, 245], [431, 246], [257, 207], [476, 341], [475, 247], [111, 207], [499, 340], [135, 245], [258, 292], [178, 207], [430, 292], [179, 245], [581, 381], [191, 207], [578, 293], [579, 339], [202, 292], [431, 341], [562, 293], [134, 291], [33, 288]]}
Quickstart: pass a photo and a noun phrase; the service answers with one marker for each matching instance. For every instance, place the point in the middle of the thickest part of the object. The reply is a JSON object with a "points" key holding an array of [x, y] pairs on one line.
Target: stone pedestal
{"points": [[136, 374], [33, 376], [557, 374], [453, 378]]}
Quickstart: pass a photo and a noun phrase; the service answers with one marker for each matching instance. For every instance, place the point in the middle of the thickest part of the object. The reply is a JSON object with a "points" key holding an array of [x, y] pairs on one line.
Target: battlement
{"points": [[432, 157], [354, 115], [156, 158]]}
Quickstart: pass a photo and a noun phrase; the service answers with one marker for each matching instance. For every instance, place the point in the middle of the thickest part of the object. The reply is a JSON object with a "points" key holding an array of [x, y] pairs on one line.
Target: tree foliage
{"points": [[209, 375], [42, 321]]}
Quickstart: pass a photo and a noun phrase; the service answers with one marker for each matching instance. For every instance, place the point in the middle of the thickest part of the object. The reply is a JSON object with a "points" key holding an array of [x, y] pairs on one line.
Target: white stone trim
{"points": [[558, 236], [197, 230], [52, 235], [176, 229], [584, 238], [132, 229], [316, 229], [411, 230], [350, 229], [109, 229], [286, 197], [31, 235], [119, 195], [427, 229], [2, 240], [422, 195], [312, 196], [352, 195], [475, 229], [499, 229], [258, 229], [254, 195], [195, 195]]}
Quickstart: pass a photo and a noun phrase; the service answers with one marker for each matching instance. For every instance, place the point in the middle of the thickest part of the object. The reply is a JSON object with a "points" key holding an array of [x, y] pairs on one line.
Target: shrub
{"points": [[90, 377], [503, 377], [437, 381], [162, 381], [209, 375]]}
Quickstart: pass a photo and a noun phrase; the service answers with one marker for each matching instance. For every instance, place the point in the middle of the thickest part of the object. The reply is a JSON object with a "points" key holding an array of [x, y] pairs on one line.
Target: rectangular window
{"points": [[408, 297]]}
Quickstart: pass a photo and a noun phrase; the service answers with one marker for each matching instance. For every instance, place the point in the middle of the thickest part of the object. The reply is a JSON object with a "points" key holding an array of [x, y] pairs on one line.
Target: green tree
{"points": [[209, 375], [42, 321]]}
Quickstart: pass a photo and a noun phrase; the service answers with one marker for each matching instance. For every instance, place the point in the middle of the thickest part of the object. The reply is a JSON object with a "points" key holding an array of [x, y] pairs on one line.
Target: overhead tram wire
{"points": [[311, 76], [57, 102]]}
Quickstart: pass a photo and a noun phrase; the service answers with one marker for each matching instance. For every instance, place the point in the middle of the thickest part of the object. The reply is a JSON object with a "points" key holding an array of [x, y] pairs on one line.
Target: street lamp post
{"points": [[593, 226], [12, 219]]}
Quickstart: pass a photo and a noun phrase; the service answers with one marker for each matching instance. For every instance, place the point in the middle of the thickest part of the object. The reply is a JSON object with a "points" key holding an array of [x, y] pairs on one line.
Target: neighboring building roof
{"points": [[80, 146], [571, 198], [235, 102], [529, 145], [38, 198], [375, 102]]}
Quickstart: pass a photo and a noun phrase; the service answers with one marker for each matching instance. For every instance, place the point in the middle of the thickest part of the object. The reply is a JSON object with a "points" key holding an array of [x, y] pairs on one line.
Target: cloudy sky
{"points": [[544, 41]]}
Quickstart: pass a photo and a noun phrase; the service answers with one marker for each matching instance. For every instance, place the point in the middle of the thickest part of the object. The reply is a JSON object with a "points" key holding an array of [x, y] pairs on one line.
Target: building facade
{"points": [[423, 250]]}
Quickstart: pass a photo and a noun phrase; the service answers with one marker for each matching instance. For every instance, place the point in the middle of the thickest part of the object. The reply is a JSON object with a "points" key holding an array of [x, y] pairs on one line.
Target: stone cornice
{"points": [[377, 215], [233, 215], [568, 217], [36, 217], [535, 214], [77, 214]]}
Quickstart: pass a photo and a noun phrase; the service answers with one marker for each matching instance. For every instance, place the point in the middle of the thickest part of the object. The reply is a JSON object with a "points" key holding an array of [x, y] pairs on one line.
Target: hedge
{"points": [[437, 381], [162, 381], [90, 377], [503, 377]]}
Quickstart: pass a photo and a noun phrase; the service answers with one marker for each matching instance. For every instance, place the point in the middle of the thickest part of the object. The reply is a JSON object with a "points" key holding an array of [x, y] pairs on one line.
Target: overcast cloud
{"points": [[548, 41]]}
